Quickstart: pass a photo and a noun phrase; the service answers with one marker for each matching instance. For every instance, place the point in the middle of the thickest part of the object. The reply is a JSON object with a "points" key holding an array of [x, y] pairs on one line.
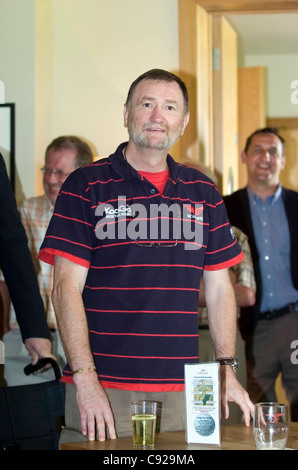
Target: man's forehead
{"points": [[63, 155], [151, 88], [266, 138]]}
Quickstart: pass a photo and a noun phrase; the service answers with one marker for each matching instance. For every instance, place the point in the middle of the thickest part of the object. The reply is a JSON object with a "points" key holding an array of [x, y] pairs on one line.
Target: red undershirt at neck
{"points": [[158, 179]]}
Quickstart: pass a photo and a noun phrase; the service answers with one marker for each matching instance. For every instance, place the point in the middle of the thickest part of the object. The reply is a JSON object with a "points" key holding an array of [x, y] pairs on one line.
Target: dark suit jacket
{"points": [[237, 205], [17, 266]]}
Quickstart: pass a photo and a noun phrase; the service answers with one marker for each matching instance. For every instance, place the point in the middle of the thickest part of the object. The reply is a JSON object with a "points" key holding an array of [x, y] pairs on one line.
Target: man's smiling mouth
{"points": [[155, 129]]}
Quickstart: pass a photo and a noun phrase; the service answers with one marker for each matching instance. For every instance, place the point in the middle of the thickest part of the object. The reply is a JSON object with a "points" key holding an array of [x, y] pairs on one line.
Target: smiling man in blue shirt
{"points": [[268, 213]]}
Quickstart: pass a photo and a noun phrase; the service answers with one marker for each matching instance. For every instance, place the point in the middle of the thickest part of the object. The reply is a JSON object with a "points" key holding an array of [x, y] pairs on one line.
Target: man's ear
{"points": [[243, 156], [186, 120], [125, 113], [283, 163]]}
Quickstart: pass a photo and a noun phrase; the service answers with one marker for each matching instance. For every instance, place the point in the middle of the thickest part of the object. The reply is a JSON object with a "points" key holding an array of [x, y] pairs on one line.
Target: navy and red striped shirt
{"points": [[141, 301]]}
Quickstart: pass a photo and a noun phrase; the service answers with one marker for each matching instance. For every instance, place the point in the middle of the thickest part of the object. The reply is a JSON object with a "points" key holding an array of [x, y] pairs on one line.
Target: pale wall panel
{"points": [[99, 48]]}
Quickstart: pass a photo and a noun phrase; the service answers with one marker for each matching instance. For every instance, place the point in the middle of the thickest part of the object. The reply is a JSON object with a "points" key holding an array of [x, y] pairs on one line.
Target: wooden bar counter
{"points": [[233, 437]]}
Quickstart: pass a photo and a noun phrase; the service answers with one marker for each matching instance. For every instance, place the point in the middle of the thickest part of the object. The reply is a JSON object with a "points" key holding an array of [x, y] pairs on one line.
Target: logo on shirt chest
{"points": [[123, 210], [194, 212]]}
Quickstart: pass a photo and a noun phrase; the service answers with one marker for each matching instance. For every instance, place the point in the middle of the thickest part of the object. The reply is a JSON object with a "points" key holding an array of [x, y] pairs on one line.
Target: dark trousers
{"points": [[269, 353]]}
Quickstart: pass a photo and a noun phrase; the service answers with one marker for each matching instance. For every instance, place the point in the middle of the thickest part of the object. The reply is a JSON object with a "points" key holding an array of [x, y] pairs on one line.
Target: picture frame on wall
{"points": [[7, 138]]}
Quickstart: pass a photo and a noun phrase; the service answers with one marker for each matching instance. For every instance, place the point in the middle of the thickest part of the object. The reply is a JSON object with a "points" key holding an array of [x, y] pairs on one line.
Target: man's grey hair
{"points": [[84, 152]]}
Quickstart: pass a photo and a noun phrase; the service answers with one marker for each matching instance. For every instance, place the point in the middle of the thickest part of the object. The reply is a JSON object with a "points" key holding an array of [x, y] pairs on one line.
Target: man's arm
{"points": [[222, 316], [5, 300], [245, 296], [20, 277], [95, 411], [242, 274]]}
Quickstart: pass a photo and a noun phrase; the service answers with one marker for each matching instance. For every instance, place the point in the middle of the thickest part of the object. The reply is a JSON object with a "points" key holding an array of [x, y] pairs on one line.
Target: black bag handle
{"points": [[43, 361]]}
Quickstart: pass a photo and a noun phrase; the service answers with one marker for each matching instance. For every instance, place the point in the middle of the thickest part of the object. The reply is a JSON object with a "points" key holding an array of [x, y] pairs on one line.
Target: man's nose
{"points": [[157, 114], [266, 155]]}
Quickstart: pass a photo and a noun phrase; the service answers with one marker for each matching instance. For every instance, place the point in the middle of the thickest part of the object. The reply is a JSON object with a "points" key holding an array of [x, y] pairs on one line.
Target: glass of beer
{"points": [[143, 423]]}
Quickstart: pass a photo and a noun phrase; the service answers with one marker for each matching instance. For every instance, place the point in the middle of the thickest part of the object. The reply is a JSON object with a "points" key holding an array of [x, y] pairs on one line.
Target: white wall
{"points": [[17, 61], [99, 48]]}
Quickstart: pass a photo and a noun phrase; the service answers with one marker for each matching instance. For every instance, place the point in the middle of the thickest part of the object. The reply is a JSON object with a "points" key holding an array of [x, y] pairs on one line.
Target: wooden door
{"points": [[225, 105], [251, 109], [288, 128], [195, 68]]}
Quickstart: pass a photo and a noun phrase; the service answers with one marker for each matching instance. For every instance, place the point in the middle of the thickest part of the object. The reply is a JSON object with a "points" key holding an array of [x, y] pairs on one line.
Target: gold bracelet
{"points": [[80, 370]]}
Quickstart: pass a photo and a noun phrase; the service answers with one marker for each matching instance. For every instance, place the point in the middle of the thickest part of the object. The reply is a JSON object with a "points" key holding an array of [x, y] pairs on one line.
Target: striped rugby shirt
{"points": [[141, 302]]}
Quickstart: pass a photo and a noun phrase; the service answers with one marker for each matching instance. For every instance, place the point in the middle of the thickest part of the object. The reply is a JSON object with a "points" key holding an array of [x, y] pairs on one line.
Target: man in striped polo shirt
{"points": [[130, 239]]}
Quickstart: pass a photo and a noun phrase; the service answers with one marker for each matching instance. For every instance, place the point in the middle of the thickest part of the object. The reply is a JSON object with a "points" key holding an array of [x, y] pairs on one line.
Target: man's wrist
{"points": [[231, 361], [84, 373], [81, 370]]}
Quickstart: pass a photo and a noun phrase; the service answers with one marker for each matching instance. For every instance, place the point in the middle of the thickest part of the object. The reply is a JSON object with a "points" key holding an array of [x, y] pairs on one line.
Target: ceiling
{"points": [[273, 33]]}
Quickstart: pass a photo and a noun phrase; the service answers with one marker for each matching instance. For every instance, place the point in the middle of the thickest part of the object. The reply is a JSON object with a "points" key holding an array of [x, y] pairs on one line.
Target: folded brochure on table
{"points": [[202, 395]]}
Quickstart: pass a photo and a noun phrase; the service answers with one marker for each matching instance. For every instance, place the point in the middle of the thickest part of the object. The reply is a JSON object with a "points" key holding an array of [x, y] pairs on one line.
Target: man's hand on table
{"points": [[232, 391], [95, 411]]}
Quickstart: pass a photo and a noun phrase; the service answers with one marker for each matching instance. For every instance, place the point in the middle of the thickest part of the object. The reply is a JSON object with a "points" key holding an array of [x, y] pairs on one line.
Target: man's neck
{"points": [[146, 159], [263, 191]]}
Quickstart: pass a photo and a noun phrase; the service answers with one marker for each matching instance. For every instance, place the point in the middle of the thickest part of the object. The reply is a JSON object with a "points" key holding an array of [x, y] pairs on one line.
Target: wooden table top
{"points": [[233, 437]]}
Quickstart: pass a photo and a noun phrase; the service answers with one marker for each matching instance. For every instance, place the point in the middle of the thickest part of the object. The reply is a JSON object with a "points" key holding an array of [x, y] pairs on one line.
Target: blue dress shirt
{"points": [[272, 236]]}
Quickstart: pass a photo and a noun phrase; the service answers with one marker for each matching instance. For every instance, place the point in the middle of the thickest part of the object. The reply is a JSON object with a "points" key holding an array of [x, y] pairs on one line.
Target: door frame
{"points": [[195, 19]]}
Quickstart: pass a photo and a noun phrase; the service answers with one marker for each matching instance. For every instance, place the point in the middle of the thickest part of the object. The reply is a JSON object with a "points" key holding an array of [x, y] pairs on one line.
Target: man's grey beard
{"points": [[143, 141]]}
